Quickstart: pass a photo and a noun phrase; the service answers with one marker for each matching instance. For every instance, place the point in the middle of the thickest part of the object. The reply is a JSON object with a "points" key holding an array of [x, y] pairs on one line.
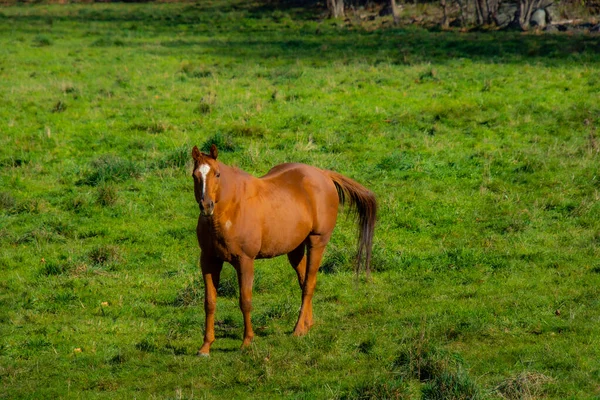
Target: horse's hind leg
{"points": [[297, 258], [316, 246]]}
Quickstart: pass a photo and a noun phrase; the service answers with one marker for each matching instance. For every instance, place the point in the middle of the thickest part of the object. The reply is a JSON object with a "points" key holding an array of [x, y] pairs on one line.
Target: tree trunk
{"points": [[445, 21], [479, 12], [526, 8], [395, 12], [464, 6], [336, 8]]}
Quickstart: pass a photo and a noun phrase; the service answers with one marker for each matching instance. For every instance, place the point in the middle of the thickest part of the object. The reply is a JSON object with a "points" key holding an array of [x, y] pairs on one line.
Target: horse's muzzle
{"points": [[206, 210]]}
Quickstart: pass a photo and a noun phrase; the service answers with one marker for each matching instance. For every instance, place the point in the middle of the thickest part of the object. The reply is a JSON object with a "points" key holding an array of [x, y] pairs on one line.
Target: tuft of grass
{"points": [[524, 385], [147, 345], [443, 374], [248, 131], [336, 260], [379, 388], [455, 385], [207, 103], [152, 127], [224, 142], [104, 256], [41, 41], [107, 195], [397, 161], [110, 168], [176, 158], [7, 201], [59, 106], [52, 268], [194, 71], [31, 206], [191, 295], [107, 41]]}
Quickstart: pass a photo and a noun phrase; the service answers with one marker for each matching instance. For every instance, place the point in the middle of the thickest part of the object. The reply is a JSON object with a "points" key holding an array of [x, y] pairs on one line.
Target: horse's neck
{"points": [[234, 184]]}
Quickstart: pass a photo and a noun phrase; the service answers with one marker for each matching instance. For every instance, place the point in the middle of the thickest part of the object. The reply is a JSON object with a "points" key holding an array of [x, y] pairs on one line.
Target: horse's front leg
{"points": [[211, 272], [245, 273]]}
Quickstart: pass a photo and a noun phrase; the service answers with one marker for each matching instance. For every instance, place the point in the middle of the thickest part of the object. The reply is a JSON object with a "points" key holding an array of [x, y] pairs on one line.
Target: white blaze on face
{"points": [[203, 169]]}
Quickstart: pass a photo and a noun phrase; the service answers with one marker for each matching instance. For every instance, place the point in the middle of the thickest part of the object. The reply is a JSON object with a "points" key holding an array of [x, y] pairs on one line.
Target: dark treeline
{"points": [[553, 15]]}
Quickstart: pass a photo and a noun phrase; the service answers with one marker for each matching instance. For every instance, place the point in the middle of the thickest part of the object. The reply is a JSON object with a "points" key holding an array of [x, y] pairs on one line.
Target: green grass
{"points": [[482, 148]]}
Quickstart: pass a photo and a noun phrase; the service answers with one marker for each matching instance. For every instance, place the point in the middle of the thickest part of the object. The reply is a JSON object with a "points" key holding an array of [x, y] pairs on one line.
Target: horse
{"points": [[291, 210]]}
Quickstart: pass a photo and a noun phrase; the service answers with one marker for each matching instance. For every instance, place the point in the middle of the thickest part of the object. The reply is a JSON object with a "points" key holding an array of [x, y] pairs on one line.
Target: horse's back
{"points": [[307, 188], [301, 178]]}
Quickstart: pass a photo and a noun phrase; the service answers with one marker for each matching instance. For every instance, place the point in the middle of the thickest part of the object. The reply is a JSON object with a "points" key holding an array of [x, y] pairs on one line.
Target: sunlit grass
{"points": [[482, 149]]}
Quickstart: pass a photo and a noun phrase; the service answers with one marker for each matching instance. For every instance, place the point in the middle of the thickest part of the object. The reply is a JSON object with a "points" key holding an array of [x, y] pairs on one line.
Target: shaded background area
{"points": [[259, 31]]}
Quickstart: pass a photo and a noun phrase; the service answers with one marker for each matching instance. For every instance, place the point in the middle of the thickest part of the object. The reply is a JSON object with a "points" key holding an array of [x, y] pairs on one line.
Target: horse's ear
{"points": [[214, 152], [195, 153]]}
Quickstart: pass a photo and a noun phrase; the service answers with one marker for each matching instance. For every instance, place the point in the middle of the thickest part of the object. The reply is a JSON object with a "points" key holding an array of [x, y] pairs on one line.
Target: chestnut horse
{"points": [[291, 210]]}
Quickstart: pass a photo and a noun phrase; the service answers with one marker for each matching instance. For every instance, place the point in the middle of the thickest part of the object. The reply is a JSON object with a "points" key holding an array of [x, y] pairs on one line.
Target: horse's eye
{"points": [[218, 174]]}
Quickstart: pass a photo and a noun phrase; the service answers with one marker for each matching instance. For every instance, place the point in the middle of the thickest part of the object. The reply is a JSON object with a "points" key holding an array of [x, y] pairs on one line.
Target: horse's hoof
{"points": [[200, 354]]}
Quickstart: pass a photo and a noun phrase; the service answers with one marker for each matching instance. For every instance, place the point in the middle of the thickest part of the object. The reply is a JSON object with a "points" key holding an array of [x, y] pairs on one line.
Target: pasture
{"points": [[483, 150]]}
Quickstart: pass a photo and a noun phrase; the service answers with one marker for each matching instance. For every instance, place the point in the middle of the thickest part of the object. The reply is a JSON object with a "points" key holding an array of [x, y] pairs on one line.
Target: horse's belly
{"points": [[281, 237]]}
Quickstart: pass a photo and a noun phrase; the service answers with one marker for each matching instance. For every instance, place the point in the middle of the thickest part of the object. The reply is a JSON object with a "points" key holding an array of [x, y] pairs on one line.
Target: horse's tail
{"points": [[365, 205]]}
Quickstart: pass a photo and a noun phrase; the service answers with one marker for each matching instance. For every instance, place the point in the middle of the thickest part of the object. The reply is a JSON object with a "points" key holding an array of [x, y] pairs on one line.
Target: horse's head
{"points": [[206, 179]]}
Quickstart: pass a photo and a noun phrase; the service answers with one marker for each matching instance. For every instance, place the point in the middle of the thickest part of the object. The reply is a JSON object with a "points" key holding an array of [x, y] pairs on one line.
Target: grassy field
{"points": [[482, 148]]}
